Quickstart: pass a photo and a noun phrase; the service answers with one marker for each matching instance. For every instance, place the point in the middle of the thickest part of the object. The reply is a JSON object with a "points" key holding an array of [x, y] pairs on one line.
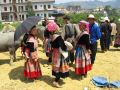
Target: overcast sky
{"points": [[63, 1]]}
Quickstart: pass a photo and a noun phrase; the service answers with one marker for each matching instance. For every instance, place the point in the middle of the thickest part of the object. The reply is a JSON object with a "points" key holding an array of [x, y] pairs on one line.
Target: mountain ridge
{"points": [[91, 4]]}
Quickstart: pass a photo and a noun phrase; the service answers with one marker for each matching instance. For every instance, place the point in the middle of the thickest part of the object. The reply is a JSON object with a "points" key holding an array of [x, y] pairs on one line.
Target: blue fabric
{"points": [[100, 80], [95, 33], [98, 84], [115, 84], [77, 51]]}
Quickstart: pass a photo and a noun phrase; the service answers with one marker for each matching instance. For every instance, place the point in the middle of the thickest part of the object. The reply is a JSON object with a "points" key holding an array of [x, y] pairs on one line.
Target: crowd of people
{"points": [[69, 46]]}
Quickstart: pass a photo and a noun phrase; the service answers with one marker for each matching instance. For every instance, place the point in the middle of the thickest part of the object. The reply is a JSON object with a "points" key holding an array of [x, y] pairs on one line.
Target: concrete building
{"points": [[74, 9], [42, 8]]}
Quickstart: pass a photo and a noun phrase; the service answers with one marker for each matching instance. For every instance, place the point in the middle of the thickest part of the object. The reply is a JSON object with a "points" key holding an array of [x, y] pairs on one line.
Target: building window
{"points": [[5, 16], [45, 15], [41, 6], [18, 1], [49, 15], [37, 14], [22, 17], [22, 8], [49, 6], [45, 7], [10, 9], [11, 17], [19, 8], [35, 6], [26, 16], [21, 1], [26, 8], [4, 1], [9, 1], [5, 8]]}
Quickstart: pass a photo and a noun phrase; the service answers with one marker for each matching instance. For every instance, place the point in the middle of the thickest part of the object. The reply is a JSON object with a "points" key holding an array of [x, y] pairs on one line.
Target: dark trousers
{"points": [[57, 78], [103, 43], [108, 43], [93, 48], [70, 57], [49, 55]]}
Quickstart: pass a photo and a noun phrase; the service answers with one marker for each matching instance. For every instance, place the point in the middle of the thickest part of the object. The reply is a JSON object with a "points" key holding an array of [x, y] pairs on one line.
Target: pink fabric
{"points": [[34, 40], [87, 25], [52, 27]]}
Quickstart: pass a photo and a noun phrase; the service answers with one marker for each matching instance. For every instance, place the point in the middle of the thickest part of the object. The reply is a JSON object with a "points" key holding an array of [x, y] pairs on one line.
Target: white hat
{"points": [[107, 19], [91, 16]]}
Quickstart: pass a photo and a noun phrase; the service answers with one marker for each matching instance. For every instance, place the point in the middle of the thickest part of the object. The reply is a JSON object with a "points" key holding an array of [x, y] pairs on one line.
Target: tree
{"points": [[30, 11], [14, 9], [114, 11], [77, 17], [1, 25], [108, 9]]}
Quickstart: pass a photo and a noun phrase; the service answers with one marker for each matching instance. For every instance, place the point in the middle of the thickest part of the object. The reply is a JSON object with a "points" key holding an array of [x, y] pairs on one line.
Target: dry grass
{"points": [[11, 77]]}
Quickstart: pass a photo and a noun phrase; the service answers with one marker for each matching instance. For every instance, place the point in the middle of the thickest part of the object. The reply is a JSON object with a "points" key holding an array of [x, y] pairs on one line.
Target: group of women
{"points": [[56, 47]]}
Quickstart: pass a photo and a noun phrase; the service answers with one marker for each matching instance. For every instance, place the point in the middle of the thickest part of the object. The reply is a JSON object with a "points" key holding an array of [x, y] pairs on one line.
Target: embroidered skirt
{"points": [[32, 69], [83, 61], [60, 67]]}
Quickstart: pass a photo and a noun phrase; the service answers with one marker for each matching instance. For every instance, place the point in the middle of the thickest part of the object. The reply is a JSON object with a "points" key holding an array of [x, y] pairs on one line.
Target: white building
{"points": [[42, 8]]}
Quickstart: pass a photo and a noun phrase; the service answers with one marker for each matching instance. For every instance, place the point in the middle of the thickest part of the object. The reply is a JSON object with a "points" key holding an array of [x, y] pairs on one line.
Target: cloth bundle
{"points": [[100, 81]]}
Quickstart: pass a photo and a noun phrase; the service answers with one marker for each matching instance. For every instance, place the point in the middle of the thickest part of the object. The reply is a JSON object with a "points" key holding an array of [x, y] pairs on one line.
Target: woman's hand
{"points": [[89, 51], [34, 55]]}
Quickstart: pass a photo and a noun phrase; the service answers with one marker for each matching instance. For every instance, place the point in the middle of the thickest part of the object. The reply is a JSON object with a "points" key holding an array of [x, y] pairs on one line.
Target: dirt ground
{"points": [[11, 77]]}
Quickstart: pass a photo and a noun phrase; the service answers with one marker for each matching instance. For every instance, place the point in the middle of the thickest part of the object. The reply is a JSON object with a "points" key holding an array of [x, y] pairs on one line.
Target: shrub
{"points": [[1, 26]]}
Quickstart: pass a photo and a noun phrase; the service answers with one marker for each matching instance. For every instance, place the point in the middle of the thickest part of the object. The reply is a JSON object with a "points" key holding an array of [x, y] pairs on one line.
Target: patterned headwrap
{"points": [[86, 24], [52, 26]]}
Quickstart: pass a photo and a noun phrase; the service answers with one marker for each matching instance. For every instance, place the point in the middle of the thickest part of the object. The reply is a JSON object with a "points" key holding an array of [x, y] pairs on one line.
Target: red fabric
{"points": [[32, 74], [80, 71]]}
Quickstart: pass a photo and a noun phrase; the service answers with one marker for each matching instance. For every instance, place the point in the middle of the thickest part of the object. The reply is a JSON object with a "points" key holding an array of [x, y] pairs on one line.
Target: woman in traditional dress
{"points": [[83, 61], [32, 67], [60, 68]]}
